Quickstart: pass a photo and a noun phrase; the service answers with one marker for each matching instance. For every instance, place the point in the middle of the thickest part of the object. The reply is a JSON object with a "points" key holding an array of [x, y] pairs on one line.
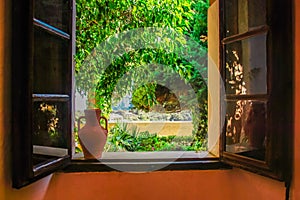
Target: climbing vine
{"points": [[98, 20]]}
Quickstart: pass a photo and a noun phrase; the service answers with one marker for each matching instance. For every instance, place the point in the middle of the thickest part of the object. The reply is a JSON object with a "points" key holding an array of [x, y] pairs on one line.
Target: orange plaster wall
{"points": [[295, 191], [217, 184], [210, 184]]}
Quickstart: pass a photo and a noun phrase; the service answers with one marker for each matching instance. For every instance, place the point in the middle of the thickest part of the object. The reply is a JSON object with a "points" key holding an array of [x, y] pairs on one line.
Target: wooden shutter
{"points": [[256, 66], [42, 87]]}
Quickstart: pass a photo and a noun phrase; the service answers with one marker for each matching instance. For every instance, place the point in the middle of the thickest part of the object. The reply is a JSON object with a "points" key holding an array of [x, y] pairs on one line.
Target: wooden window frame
{"points": [[23, 172]]}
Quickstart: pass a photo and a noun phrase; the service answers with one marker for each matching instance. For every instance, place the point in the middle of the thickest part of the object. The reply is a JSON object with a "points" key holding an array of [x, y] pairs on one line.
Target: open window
{"points": [[255, 63]]}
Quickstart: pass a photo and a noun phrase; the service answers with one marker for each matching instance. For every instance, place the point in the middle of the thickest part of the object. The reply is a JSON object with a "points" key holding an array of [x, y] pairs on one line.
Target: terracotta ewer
{"points": [[92, 136]]}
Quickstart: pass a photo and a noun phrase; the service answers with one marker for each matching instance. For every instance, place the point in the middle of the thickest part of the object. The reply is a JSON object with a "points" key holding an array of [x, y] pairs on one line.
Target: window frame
{"points": [[22, 171], [278, 161]]}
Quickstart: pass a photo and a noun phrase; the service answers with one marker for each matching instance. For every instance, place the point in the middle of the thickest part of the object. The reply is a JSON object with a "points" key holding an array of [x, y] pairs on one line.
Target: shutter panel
{"points": [[42, 87], [256, 68]]}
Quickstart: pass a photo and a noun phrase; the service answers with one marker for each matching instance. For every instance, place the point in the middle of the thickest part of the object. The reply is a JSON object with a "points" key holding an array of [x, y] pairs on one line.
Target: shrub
{"points": [[121, 138]]}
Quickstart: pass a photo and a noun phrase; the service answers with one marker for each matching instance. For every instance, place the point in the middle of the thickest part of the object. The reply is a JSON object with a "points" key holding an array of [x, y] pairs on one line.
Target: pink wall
{"points": [[210, 184]]}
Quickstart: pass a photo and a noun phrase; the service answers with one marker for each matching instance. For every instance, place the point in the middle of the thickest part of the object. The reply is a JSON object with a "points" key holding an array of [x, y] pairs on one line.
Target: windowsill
{"points": [[153, 155], [146, 161]]}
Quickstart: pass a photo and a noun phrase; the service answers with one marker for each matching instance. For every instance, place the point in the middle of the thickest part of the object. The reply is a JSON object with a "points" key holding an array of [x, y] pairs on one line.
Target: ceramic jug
{"points": [[92, 136]]}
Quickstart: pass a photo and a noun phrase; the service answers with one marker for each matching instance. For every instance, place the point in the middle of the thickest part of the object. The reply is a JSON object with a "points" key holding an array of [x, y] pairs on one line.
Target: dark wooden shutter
{"points": [[256, 67], [42, 87]]}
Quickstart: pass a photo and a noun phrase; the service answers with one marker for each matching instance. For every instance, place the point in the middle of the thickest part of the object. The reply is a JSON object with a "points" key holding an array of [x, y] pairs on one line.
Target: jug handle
{"points": [[106, 122], [78, 122]]}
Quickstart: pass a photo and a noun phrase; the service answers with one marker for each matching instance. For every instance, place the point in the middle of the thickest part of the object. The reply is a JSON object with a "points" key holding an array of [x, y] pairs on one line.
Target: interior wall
{"points": [[295, 189], [4, 99], [189, 185], [207, 184]]}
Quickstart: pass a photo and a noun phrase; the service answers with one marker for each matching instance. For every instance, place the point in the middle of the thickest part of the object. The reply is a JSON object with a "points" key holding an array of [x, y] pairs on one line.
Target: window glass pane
{"points": [[53, 12], [51, 70], [246, 128], [50, 124], [246, 66], [242, 15]]}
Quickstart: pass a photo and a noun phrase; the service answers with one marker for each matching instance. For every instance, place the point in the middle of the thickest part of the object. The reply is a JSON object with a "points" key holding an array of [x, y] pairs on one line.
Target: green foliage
{"points": [[98, 20], [123, 139], [200, 121], [144, 97]]}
